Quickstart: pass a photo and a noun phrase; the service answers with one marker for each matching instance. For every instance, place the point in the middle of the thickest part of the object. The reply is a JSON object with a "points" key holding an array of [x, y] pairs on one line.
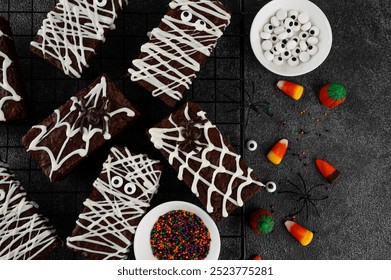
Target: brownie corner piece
{"points": [[12, 106], [205, 160], [79, 127], [73, 31], [121, 194], [178, 47], [25, 234]]}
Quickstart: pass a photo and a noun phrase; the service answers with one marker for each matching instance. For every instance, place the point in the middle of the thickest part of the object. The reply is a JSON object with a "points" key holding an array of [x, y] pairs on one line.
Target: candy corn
{"points": [[293, 90], [257, 258], [300, 233], [329, 172], [261, 221], [331, 95], [277, 153]]}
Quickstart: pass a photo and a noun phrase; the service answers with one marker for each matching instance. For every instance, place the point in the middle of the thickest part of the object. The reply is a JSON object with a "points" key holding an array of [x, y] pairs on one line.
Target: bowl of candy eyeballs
{"points": [[291, 38]]}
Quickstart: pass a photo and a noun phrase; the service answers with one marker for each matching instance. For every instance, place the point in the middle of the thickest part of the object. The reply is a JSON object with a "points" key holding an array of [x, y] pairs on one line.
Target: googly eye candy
{"points": [[117, 182], [200, 25], [130, 188], [314, 31], [186, 16], [2, 195]]}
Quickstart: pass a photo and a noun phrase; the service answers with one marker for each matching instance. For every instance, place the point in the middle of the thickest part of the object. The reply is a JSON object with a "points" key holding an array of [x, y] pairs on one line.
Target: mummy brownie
{"points": [[24, 233], [205, 160], [177, 48], [120, 197], [78, 128], [291, 39], [73, 31], [11, 89]]}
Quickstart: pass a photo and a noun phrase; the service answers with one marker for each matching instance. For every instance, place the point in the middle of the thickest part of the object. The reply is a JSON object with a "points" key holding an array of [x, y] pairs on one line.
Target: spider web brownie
{"points": [[120, 197], [79, 127], [11, 89], [73, 31], [24, 233], [205, 160], [186, 36]]}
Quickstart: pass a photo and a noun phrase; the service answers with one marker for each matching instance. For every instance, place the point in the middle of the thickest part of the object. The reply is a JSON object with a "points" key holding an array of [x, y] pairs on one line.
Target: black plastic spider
{"points": [[249, 105], [92, 116], [191, 133], [305, 196]]}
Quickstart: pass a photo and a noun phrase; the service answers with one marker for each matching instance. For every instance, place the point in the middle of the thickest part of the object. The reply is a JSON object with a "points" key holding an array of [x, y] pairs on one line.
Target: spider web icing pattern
{"points": [[105, 223], [24, 235], [91, 100], [166, 139], [179, 45], [5, 65], [66, 29]]}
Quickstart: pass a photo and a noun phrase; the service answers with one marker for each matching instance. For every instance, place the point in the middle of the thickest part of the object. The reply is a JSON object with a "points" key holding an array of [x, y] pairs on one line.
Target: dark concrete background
{"points": [[354, 221]]}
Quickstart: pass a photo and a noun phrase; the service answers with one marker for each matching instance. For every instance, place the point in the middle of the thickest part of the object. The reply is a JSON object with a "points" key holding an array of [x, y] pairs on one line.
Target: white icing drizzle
{"points": [[166, 139], [106, 222], [65, 31], [5, 63], [179, 45], [16, 226], [91, 100]]}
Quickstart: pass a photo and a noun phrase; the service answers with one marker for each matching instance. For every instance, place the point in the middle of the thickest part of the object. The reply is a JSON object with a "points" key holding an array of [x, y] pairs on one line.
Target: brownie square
{"points": [[73, 31], [121, 194], [79, 127], [205, 160], [25, 234], [11, 84], [186, 36]]}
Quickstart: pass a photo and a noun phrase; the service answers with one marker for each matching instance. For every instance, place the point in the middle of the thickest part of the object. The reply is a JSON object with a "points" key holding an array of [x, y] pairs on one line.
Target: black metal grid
{"points": [[48, 88]]}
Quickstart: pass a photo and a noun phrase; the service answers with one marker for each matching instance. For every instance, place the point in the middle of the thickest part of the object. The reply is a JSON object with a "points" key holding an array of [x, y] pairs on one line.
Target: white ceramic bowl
{"points": [[142, 244], [317, 17]]}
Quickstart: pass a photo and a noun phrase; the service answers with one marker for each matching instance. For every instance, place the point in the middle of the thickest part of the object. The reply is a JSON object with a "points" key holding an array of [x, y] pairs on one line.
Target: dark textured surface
{"points": [[354, 222]]}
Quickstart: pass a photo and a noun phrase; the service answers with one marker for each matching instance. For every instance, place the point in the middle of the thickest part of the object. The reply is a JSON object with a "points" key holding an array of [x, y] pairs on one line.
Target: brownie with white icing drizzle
{"points": [[205, 160], [121, 194], [73, 31], [24, 233], [79, 127], [12, 106], [178, 47]]}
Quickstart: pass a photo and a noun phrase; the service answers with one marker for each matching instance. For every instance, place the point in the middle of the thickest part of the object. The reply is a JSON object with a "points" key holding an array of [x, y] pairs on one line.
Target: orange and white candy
{"points": [[300, 233], [278, 151], [293, 90]]}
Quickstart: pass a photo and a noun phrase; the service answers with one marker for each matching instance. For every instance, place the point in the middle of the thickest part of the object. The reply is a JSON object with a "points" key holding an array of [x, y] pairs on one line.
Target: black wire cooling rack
{"points": [[47, 89]]}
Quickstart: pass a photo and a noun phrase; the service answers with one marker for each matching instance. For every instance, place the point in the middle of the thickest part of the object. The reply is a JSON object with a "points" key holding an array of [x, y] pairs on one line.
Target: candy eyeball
{"points": [[296, 26], [2, 195], [279, 29], [303, 46], [312, 50], [296, 39], [289, 32], [288, 23], [274, 21], [291, 44], [117, 182], [303, 18], [200, 25], [293, 61], [269, 55], [314, 31], [268, 28], [274, 39], [278, 60], [286, 54], [312, 41], [251, 145], [265, 35], [283, 35], [303, 35], [304, 56], [280, 47], [130, 188], [296, 52], [186, 16], [267, 45], [271, 187], [281, 14], [307, 26], [293, 14]]}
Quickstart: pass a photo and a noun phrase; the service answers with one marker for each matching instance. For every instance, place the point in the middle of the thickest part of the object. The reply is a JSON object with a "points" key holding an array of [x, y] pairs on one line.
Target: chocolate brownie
{"points": [[73, 31], [79, 127], [25, 234], [205, 160], [120, 196], [186, 36], [11, 86]]}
